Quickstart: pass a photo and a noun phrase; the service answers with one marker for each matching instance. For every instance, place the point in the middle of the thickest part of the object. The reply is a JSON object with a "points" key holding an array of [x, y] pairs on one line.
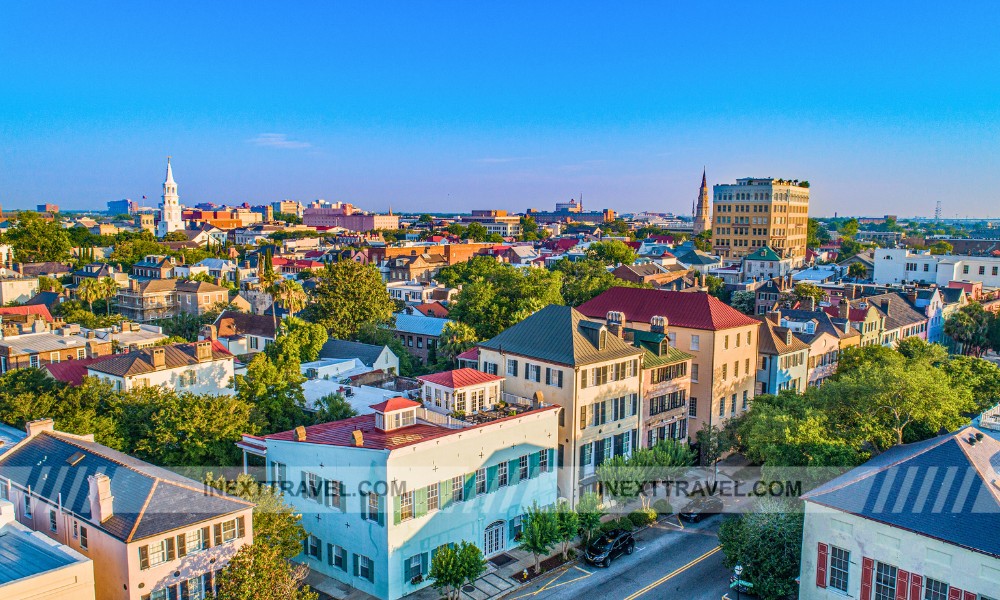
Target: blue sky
{"points": [[884, 107]]}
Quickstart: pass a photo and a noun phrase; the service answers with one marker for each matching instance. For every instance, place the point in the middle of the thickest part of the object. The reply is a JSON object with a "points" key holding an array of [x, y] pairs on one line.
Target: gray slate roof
{"points": [[941, 488], [366, 353], [561, 334], [148, 500], [419, 325]]}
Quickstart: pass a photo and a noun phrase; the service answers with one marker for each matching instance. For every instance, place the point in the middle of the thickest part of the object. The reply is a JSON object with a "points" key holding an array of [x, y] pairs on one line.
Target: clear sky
{"points": [[885, 107]]}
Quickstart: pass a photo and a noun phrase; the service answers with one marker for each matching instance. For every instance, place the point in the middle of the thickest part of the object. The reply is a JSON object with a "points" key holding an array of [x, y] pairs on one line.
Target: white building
{"points": [[918, 521], [170, 207], [983, 269], [204, 367], [461, 391], [381, 492], [898, 265]]}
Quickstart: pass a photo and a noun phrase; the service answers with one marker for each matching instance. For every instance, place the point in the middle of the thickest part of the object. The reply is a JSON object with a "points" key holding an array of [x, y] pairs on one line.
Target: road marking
{"points": [[549, 586], [673, 574]]}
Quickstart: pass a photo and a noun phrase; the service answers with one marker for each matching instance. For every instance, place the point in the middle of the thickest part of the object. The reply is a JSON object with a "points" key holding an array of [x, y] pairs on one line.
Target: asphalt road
{"points": [[669, 562]]}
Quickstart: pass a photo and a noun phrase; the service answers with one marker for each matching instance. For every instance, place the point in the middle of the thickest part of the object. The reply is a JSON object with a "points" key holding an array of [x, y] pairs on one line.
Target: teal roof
{"points": [[764, 253]]}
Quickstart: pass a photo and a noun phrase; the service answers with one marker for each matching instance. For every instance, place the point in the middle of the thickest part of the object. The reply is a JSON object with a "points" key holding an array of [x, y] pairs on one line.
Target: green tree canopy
{"points": [[274, 391], [767, 544], [275, 523], [585, 279], [34, 239], [298, 338], [453, 566], [348, 296], [612, 252], [540, 531], [260, 572], [333, 407]]}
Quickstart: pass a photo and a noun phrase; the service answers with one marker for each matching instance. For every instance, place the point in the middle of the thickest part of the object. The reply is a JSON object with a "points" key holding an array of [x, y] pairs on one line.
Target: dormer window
{"points": [[602, 339]]}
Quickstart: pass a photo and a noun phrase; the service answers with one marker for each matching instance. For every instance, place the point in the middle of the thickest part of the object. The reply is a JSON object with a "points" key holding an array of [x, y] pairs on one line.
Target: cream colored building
{"points": [[756, 213], [585, 368], [722, 341], [204, 367]]}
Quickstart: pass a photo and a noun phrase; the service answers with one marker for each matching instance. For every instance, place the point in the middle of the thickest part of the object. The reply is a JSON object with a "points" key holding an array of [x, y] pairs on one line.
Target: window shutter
{"points": [[305, 546], [423, 563], [916, 584], [355, 561], [380, 501], [143, 557], [513, 472], [395, 509], [867, 565], [552, 460], [241, 530], [343, 496], [218, 534], [329, 553], [533, 465], [419, 502], [954, 593], [583, 378], [902, 584], [184, 590], [492, 480], [548, 375], [970, 595], [821, 563], [319, 549], [445, 495], [470, 487], [181, 545], [171, 555], [206, 537]]}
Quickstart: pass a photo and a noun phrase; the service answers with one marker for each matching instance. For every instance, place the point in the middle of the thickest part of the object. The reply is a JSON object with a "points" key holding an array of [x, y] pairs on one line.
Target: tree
{"points": [[567, 525], [269, 280], [857, 270], [540, 531], [298, 338], [744, 301], [454, 566], [425, 218], [529, 228], [88, 291], [108, 289], [275, 523], [129, 252], [970, 327], [258, 571], [274, 390], [712, 443], [291, 296], [585, 279], [849, 229], [767, 543], [941, 247], [34, 239], [816, 234], [612, 252], [589, 513], [49, 284], [620, 479], [801, 291], [456, 338], [333, 407], [982, 377], [348, 296], [194, 429], [477, 232], [716, 286], [703, 241]]}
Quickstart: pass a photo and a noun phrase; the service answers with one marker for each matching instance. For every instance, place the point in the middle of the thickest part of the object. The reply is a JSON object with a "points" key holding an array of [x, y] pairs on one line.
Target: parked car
{"points": [[609, 546], [701, 507]]}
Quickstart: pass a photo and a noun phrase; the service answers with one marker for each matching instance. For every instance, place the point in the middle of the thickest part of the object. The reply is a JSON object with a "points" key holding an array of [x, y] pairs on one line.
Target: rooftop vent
{"points": [[300, 433], [75, 459]]}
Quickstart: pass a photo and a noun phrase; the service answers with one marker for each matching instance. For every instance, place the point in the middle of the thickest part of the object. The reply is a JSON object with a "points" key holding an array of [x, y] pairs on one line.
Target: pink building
{"points": [[340, 214], [152, 534]]}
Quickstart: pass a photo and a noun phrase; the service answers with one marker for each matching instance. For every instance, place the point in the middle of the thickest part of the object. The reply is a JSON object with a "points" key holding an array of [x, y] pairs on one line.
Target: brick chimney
{"points": [[843, 309], [158, 358], [101, 500], [209, 332], [885, 306], [203, 350], [35, 427], [774, 316], [616, 322], [658, 324], [809, 303]]}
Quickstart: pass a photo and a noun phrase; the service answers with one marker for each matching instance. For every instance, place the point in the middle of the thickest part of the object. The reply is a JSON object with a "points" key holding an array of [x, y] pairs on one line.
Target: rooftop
{"points": [[25, 554], [459, 378], [139, 362], [693, 310]]}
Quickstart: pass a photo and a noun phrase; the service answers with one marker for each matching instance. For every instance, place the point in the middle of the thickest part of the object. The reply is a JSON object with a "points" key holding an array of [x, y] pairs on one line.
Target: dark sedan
{"points": [[609, 546], [699, 508]]}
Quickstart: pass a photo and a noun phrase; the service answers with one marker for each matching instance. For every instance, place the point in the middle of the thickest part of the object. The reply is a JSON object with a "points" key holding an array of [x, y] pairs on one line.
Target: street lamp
{"points": [[738, 570]]}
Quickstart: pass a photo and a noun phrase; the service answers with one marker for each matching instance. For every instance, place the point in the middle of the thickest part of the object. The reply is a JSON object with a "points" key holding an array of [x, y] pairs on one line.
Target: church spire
{"points": [[702, 210], [170, 173]]}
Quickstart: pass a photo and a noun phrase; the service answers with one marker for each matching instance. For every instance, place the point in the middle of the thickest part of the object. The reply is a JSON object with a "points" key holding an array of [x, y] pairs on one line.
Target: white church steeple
{"points": [[170, 207]]}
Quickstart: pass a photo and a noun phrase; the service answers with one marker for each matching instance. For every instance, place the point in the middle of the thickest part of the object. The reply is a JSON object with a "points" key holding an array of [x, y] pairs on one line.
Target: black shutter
{"points": [[171, 555]]}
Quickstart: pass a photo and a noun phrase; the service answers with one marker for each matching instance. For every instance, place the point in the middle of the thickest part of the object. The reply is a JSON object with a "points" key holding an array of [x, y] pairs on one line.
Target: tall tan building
{"points": [[702, 209], [754, 213]]}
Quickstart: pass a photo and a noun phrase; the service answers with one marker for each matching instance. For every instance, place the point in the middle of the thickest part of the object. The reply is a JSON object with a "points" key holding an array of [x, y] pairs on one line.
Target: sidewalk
{"points": [[498, 581]]}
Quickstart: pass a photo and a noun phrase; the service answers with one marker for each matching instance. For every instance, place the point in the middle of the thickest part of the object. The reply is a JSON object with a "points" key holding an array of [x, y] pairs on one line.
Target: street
{"points": [[669, 562]]}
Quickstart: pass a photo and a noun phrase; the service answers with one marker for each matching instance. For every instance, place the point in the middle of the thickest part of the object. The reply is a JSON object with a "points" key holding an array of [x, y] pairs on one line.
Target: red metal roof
{"points": [[470, 354], [72, 371], [694, 310], [31, 309], [459, 378], [397, 403]]}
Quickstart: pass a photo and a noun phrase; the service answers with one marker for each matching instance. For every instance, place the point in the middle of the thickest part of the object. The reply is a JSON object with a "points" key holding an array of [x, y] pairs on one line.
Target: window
{"points": [[337, 556], [746, 366], [885, 581], [195, 541], [405, 506], [432, 497], [414, 567], [313, 485], [197, 587], [725, 343], [81, 353], [502, 474], [254, 342], [313, 545], [695, 342], [694, 373], [53, 522], [511, 367], [840, 560], [935, 590], [229, 531], [982, 270], [732, 407], [33, 361], [279, 471], [553, 377], [965, 269], [599, 375], [27, 506], [372, 506], [533, 373], [746, 399], [365, 567], [722, 407], [458, 488], [84, 540], [522, 467], [725, 371], [157, 553], [480, 481], [693, 407], [543, 461]]}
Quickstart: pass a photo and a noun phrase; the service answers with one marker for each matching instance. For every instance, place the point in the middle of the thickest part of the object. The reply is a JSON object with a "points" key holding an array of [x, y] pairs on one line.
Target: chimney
{"points": [[209, 332], [809, 304], [843, 309], [658, 324], [7, 513], [158, 358], [615, 322], [35, 427], [300, 434], [885, 306], [774, 316], [912, 296], [788, 337], [359, 438], [203, 350], [101, 500]]}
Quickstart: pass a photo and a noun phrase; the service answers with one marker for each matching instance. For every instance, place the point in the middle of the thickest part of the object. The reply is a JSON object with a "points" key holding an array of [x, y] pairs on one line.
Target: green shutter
{"points": [[492, 481], [444, 494], [419, 502], [241, 530], [423, 563], [514, 472], [552, 459], [181, 545], [170, 549], [380, 501], [143, 557], [533, 465], [395, 510], [470, 486], [343, 497], [218, 534]]}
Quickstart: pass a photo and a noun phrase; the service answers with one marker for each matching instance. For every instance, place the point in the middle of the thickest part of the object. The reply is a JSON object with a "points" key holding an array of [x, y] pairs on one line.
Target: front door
{"points": [[495, 539]]}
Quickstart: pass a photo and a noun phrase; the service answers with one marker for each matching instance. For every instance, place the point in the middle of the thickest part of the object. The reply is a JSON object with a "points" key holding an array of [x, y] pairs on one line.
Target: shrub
{"points": [[663, 507], [643, 517], [609, 525]]}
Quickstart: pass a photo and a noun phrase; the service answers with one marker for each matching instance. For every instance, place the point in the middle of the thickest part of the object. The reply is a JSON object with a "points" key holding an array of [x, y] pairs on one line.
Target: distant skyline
{"points": [[885, 108]]}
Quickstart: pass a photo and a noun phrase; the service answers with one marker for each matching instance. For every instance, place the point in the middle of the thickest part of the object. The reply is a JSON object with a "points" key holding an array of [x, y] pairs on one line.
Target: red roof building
{"points": [[38, 310], [459, 378], [693, 310]]}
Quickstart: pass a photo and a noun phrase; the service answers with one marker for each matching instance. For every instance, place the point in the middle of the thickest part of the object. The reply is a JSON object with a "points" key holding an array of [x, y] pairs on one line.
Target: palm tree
{"points": [[269, 281], [291, 295], [88, 291], [109, 289]]}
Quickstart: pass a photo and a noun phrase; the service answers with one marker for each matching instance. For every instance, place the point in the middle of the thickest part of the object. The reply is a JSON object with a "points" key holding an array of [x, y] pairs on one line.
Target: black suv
{"points": [[701, 507], [610, 545]]}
